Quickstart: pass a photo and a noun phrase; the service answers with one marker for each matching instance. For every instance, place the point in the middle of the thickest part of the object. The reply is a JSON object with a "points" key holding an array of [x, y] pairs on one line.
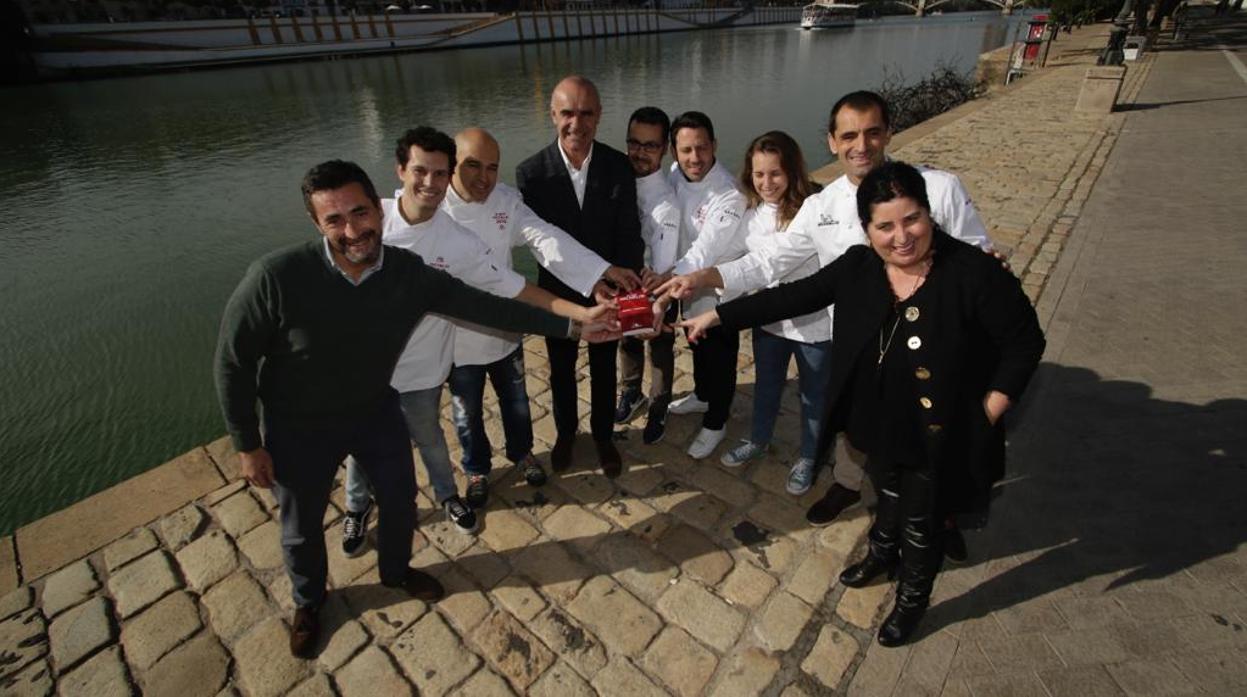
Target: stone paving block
{"points": [[697, 555], [512, 650], [633, 563], [880, 670], [129, 548], [68, 587], [142, 582], [1209, 631], [680, 662], [781, 516], [485, 683], [781, 621], [815, 575], [698, 509], [386, 612], [464, 605], [207, 560], [340, 644], [640, 480], [569, 640], [553, 570], [1083, 681], [1218, 672], [968, 661], [703, 614], [280, 590], [1151, 678], [239, 514], [860, 606], [222, 493], [844, 536], [262, 546], [1088, 646], [35, 680], [589, 488], [432, 656], [182, 525], [623, 623], [103, 675], [1022, 684], [155, 631], [726, 485], [1091, 613], [761, 547], [519, 598], [235, 604], [263, 662], [317, 686], [481, 564], [15, 601], [630, 513], [930, 659], [79, 631], [446, 536], [747, 672], [576, 527], [23, 640], [537, 503], [620, 677], [1026, 652], [831, 655], [747, 586], [1036, 615], [372, 673], [561, 681], [506, 531], [222, 454]]}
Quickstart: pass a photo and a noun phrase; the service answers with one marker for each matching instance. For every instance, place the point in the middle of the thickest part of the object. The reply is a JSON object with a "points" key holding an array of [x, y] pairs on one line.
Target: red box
{"points": [[636, 314]]}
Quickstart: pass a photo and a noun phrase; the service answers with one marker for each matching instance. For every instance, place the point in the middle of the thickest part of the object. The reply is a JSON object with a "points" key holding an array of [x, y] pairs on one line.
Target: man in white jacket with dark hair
{"points": [[499, 217]]}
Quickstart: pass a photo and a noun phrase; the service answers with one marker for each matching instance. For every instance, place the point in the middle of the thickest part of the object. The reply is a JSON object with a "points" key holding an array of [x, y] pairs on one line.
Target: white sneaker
{"points": [[705, 443], [689, 404]]}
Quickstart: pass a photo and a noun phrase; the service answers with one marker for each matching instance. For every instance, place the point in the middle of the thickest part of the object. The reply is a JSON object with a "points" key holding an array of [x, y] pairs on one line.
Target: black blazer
{"points": [[976, 332], [608, 223]]}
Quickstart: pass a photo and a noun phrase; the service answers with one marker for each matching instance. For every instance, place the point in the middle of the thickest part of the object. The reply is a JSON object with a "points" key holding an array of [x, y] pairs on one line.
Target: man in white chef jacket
{"points": [[497, 214]]}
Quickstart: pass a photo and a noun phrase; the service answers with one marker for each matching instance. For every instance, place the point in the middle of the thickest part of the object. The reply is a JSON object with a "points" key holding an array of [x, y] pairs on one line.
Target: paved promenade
{"points": [[1115, 562]]}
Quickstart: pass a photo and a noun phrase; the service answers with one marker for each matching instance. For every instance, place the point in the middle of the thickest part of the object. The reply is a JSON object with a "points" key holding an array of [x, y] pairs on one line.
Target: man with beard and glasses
{"points": [[312, 333]]}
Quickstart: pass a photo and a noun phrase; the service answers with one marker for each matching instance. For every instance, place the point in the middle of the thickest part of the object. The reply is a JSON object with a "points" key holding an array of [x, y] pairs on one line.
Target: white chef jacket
{"points": [[827, 225], [710, 233], [445, 245], [503, 221], [660, 220], [761, 224]]}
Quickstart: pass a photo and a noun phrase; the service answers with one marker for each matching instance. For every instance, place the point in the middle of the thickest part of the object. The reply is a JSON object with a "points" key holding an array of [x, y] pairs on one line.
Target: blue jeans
{"points": [[771, 354], [305, 459], [467, 391], [421, 410]]}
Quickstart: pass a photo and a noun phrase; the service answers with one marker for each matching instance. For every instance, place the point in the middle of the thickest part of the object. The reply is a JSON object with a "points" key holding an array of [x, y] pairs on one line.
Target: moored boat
{"points": [[826, 15]]}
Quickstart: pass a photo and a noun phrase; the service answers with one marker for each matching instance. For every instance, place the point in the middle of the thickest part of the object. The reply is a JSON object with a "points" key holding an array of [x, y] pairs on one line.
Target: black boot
{"points": [[921, 558], [881, 556]]}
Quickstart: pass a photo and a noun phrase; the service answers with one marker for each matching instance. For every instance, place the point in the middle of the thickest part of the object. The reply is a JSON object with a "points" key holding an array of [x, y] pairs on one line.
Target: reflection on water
{"points": [[132, 205]]}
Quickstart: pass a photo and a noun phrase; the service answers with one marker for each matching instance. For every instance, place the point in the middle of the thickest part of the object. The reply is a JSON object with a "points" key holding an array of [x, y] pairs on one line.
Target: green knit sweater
{"points": [[314, 348]]}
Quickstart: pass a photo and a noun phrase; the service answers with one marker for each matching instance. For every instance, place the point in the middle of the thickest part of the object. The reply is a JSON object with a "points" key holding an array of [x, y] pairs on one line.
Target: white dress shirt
{"points": [[710, 233], [445, 245], [660, 220], [761, 225], [503, 221], [580, 177]]}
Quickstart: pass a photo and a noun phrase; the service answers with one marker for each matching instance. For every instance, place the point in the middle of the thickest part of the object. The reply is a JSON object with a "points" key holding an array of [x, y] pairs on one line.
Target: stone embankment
{"points": [[680, 577]]}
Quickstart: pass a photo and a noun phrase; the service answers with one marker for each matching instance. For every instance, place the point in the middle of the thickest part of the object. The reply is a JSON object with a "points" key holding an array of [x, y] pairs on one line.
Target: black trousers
{"points": [[562, 354], [714, 374], [906, 525]]}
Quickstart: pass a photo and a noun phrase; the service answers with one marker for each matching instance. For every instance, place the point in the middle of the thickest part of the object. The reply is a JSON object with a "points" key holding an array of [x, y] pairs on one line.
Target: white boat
{"points": [[827, 15]]}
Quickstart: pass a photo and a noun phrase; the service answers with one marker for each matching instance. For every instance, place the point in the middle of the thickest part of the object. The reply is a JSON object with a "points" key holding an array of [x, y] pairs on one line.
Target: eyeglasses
{"points": [[648, 146]]}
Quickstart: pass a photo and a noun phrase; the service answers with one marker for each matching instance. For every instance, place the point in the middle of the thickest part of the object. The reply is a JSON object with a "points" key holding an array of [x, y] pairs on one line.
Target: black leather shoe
{"points": [[860, 575], [304, 632], [561, 454], [900, 623], [608, 456], [655, 423], [419, 585], [833, 503]]}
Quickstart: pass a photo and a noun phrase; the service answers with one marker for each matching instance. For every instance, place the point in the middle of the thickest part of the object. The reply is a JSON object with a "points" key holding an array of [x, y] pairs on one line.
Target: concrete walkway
{"points": [[1117, 561], [1113, 564]]}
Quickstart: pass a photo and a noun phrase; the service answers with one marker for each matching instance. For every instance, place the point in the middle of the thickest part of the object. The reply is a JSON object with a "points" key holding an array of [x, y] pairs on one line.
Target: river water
{"points": [[133, 205]]}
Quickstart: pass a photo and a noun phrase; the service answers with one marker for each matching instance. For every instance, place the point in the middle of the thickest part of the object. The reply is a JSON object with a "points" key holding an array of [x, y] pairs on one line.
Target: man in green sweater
{"points": [[313, 333]]}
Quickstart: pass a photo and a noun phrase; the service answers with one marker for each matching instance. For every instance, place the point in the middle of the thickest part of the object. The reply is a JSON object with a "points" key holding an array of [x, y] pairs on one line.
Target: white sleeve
{"points": [[784, 252], [558, 252], [479, 269], [956, 213], [721, 236], [664, 227]]}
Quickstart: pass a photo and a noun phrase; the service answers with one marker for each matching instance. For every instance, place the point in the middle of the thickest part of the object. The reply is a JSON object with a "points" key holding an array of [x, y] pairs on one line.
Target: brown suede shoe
{"points": [[561, 454], [608, 456], [304, 631], [420, 586]]}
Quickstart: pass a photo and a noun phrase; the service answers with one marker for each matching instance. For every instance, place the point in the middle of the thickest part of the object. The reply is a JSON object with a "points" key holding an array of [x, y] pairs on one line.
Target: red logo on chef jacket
{"points": [[501, 220]]}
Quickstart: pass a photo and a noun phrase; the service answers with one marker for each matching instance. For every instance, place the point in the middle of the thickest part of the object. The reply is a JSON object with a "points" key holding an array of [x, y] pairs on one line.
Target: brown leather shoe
{"points": [[608, 456], [304, 631], [420, 586], [561, 454]]}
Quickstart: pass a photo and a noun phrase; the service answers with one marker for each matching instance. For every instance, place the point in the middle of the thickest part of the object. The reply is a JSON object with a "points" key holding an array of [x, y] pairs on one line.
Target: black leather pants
{"points": [[906, 525]]}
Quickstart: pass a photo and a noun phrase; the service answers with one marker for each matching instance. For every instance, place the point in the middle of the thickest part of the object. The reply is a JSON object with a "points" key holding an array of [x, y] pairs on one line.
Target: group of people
{"points": [[345, 342]]}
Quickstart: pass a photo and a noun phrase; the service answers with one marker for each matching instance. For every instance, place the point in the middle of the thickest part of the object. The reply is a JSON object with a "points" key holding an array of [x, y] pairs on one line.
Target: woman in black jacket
{"points": [[932, 342]]}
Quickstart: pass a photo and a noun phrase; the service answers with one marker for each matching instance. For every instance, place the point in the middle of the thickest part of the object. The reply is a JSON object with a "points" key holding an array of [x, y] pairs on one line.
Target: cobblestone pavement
{"points": [[1114, 565]]}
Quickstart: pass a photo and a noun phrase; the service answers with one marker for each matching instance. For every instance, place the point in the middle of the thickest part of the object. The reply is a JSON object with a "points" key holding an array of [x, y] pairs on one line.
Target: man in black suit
{"points": [[589, 190]]}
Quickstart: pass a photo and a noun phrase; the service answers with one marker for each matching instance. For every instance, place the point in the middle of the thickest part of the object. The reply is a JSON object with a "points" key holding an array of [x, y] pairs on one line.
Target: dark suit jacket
{"points": [[608, 223], [977, 332]]}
